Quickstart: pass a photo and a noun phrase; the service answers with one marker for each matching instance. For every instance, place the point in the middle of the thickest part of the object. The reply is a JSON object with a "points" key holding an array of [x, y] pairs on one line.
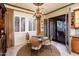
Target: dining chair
{"points": [[35, 45], [50, 39], [27, 37]]}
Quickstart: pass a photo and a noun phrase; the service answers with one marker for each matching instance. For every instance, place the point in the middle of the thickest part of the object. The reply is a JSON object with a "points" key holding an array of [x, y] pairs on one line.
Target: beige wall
{"points": [[20, 37], [65, 11]]}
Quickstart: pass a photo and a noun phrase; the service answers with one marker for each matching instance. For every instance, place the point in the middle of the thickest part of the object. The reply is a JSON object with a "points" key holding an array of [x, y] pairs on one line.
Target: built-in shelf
{"points": [[75, 19]]}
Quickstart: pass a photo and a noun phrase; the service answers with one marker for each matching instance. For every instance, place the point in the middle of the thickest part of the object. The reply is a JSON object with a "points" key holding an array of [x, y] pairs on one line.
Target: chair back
{"points": [[27, 36], [50, 37], [35, 42]]}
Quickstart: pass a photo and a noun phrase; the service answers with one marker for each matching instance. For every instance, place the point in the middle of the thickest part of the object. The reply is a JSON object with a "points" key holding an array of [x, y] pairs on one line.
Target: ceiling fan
{"points": [[38, 12]]}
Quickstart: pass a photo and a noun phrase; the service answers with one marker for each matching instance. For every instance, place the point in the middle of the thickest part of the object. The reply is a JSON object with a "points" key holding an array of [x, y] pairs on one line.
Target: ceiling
{"points": [[46, 7]]}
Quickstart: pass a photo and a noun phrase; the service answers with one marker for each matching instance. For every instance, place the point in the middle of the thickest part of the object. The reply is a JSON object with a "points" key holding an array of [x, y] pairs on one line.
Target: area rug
{"points": [[0, 53], [46, 50]]}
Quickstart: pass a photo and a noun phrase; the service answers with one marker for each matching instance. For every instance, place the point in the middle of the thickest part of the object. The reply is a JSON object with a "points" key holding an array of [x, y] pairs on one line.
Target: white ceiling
{"points": [[46, 7]]}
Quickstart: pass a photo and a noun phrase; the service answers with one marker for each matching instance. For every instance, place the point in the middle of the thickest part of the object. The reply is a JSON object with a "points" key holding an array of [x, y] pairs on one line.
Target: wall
{"points": [[19, 37], [63, 11]]}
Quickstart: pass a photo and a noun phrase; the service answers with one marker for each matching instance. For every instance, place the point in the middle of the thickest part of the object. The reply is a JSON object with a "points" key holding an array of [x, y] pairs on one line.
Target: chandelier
{"points": [[38, 12]]}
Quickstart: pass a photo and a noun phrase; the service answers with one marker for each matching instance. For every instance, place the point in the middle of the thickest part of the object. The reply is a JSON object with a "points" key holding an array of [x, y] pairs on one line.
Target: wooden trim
{"points": [[75, 37], [76, 9], [20, 10], [9, 27], [59, 9], [19, 7], [33, 11], [57, 16]]}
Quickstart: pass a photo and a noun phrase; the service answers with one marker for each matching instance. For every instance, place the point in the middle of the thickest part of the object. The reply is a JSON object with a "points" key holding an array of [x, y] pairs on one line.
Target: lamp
{"points": [[38, 12]]}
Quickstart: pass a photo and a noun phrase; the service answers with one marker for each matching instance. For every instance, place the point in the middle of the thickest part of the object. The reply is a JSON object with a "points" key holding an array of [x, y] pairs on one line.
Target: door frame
{"points": [[66, 17]]}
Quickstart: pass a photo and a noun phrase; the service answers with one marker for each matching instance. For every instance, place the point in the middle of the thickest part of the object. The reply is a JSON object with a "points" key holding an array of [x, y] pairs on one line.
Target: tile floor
{"points": [[62, 49]]}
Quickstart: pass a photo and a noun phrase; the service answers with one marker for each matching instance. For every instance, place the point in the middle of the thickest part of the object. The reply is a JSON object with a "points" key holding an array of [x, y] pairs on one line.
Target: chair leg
{"points": [[34, 52], [50, 46], [31, 52]]}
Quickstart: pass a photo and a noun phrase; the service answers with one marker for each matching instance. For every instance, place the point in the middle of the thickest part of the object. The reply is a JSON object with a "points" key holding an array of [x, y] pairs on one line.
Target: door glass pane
{"points": [[22, 23], [30, 25], [34, 25], [17, 24]]}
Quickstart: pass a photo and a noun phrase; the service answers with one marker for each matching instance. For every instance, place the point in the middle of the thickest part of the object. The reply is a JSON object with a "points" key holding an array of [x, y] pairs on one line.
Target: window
{"points": [[22, 24], [19, 24], [32, 25]]}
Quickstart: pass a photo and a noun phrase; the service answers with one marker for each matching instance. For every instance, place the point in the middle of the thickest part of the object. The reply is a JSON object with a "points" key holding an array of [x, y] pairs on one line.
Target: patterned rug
{"points": [[46, 50], [0, 53]]}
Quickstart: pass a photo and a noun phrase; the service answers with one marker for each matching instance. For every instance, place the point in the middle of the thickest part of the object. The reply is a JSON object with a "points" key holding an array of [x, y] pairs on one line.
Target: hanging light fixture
{"points": [[38, 12]]}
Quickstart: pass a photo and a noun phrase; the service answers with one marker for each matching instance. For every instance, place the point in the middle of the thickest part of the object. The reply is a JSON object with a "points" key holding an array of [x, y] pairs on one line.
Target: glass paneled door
{"points": [[60, 31], [58, 28]]}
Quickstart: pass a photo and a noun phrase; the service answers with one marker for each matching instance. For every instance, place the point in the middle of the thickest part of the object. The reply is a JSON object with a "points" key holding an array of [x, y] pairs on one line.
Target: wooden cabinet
{"points": [[72, 20], [75, 44], [3, 45], [76, 18]]}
